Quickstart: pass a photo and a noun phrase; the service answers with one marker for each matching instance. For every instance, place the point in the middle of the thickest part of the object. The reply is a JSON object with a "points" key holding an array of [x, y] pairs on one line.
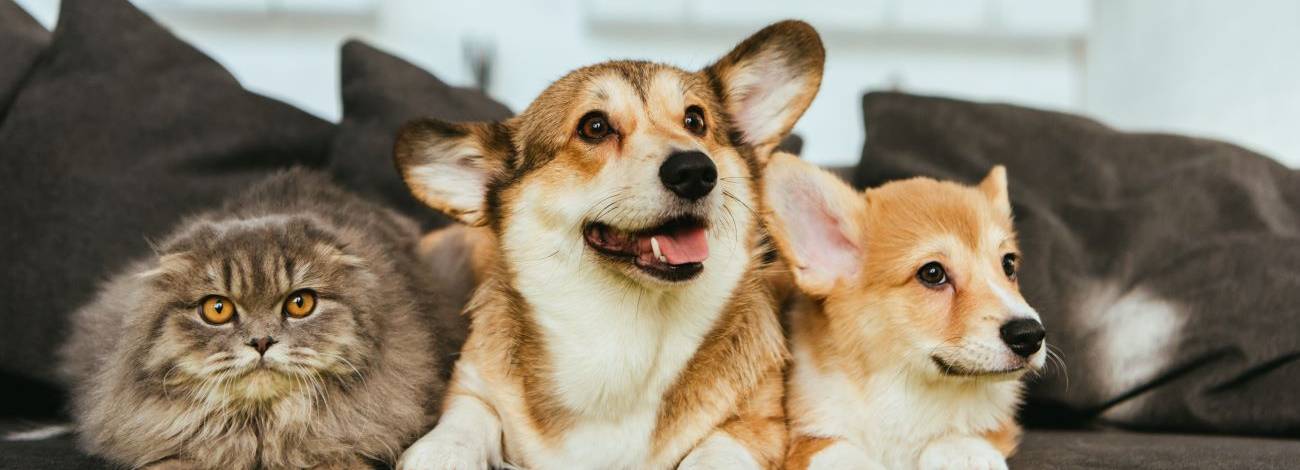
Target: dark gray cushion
{"points": [[1077, 450], [1166, 268], [1040, 450], [380, 94], [56, 453], [119, 130], [22, 40]]}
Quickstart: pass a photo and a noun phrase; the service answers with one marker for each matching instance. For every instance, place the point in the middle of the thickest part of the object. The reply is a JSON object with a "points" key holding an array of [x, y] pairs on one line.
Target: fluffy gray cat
{"points": [[292, 328]]}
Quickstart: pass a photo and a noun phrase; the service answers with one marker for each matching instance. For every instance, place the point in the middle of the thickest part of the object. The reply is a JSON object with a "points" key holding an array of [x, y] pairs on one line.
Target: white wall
{"points": [[1012, 50], [1220, 68], [936, 50], [292, 57]]}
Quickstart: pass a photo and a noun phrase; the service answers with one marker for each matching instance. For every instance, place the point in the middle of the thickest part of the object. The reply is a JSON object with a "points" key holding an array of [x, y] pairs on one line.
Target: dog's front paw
{"points": [[717, 453], [429, 454], [962, 453], [842, 454]]}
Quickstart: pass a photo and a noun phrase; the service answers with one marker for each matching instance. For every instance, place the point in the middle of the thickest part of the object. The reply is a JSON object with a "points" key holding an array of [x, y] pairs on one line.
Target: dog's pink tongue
{"points": [[687, 245]]}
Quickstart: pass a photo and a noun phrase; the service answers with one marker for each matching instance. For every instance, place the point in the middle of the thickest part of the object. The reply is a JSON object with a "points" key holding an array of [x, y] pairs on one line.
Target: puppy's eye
{"points": [[932, 274], [694, 120], [1010, 265], [594, 126], [300, 303], [216, 310]]}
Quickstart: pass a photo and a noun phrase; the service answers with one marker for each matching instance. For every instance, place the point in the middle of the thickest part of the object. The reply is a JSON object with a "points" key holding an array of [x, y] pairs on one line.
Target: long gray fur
{"points": [[153, 384]]}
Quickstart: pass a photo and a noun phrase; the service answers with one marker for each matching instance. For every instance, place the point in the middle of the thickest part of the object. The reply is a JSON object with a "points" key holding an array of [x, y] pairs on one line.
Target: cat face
{"points": [[254, 310]]}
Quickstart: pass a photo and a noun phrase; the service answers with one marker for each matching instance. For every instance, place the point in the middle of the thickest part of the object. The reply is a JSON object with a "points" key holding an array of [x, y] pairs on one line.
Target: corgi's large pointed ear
{"points": [[816, 221], [995, 187], [449, 166], [768, 81]]}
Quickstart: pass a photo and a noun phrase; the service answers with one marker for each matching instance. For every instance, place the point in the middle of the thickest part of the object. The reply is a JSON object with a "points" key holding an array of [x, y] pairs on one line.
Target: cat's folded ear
{"points": [[449, 166], [336, 255], [817, 222], [768, 81], [170, 263]]}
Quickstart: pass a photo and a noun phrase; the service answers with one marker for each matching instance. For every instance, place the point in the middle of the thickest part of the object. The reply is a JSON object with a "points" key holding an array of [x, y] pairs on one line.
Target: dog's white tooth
{"points": [[654, 246]]}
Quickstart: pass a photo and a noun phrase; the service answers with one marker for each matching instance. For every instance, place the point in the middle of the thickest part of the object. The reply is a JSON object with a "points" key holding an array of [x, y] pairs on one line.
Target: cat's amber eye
{"points": [[217, 310], [300, 303]]}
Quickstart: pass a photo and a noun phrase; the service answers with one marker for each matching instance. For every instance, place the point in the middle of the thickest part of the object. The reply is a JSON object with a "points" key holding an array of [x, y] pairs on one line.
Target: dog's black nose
{"points": [[690, 175], [262, 344], [1024, 336]]}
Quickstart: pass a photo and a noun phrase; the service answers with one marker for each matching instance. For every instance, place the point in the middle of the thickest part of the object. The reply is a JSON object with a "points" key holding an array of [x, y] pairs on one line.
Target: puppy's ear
{"points": [[816, 221], [994, 187], [449, 166], [768, 81]]}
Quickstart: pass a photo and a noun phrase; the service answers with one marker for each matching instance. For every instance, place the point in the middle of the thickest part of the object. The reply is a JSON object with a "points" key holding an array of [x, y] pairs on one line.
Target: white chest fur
{"points": [[893, 415], [613, 346], [614, 349], [612, 369]]}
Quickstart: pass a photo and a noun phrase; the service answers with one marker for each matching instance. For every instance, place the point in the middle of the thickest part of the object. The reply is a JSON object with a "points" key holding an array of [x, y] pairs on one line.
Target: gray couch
{"points": [[111, 129]]}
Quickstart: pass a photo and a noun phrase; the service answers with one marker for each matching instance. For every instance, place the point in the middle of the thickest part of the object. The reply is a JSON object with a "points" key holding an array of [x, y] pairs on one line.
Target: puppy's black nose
{"points": [[1024, 336], [690, 175], [262, 344]]}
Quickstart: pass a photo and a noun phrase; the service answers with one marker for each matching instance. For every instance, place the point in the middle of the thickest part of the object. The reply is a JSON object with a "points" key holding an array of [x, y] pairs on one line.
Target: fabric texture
{"points": [[380, 94], [1040, 450], [1166, 268], [118, 131], [56, 453], [22, 40], [1113, 450]]}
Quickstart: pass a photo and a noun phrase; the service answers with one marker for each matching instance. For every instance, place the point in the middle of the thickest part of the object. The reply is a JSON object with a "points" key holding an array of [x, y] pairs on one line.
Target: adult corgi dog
{"points": [[623, 323], [911, 335]]}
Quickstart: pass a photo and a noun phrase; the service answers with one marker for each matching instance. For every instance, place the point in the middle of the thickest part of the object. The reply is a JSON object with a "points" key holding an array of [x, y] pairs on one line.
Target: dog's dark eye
{"points": [[594, 126], [932, 274], [694, 120], [1010, 265]]}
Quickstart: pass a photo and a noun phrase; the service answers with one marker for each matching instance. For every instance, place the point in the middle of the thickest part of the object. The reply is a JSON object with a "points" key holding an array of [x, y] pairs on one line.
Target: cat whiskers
{"points": [[338, 357], [312, 358], [213, 365], [314, 384], [166, 379], [303, 364]]}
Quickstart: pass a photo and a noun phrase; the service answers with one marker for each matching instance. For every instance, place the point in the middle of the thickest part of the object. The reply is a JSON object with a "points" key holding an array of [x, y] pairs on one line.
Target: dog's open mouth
{"points": [[948, 368], [672, 251]]}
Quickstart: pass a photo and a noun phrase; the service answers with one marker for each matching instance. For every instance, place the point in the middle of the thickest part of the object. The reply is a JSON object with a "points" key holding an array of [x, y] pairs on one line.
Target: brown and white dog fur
{"points": [[892, 370], [586, 349]]}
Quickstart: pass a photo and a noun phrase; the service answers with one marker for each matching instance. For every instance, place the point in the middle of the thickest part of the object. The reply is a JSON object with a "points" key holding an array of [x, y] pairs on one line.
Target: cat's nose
{"points": [[262, 344]]}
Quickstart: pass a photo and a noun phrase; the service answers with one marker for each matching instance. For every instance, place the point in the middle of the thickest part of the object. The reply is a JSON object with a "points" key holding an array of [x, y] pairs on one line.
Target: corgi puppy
{"points": [[623, 323], [911, 335]]}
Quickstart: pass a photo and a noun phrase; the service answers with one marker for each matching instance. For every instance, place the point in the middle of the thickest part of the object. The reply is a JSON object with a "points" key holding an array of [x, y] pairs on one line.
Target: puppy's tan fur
{"points": [[576, 360], [865, 389]]}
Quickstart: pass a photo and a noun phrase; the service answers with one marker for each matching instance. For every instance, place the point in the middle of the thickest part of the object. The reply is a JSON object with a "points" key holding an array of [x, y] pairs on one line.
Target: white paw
{"points": [[718, 452], [962, 453], [716, 461], [430, 454], [842, 455]]}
